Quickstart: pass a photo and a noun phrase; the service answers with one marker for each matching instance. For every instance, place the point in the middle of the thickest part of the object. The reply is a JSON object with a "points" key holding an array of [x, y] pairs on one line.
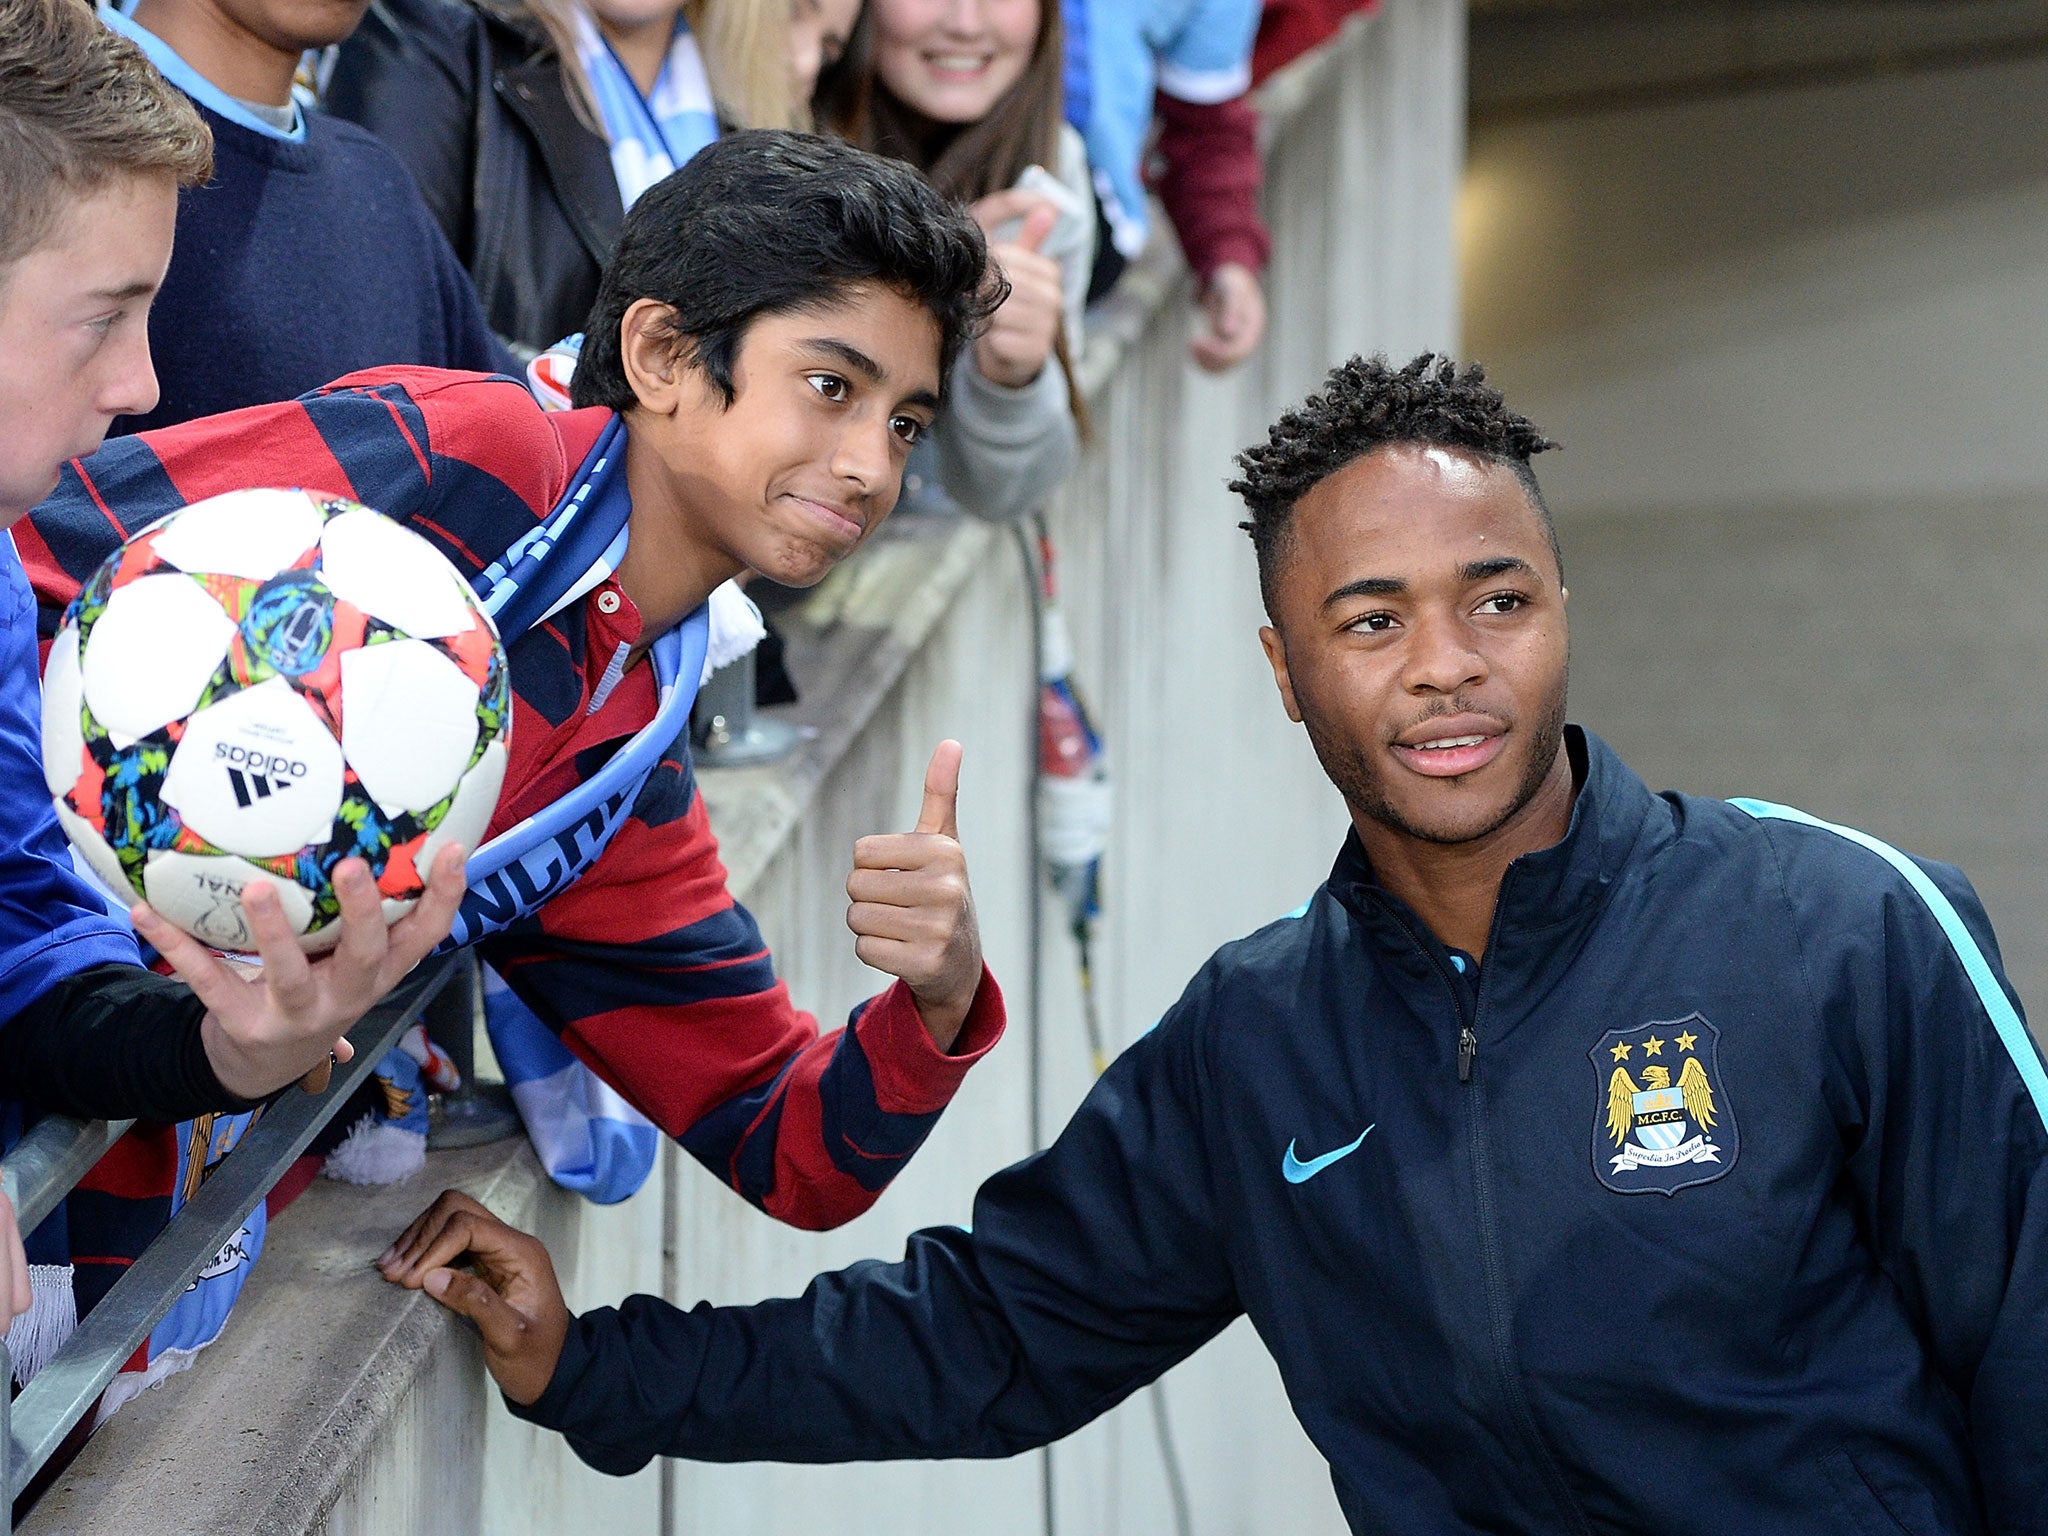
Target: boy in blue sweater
{"points": [[309, 254]]}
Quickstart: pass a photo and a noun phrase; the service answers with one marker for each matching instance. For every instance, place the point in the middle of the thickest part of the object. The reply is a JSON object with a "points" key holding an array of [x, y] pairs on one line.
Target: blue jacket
{"points": [[1792, 1280], [52, 924]]}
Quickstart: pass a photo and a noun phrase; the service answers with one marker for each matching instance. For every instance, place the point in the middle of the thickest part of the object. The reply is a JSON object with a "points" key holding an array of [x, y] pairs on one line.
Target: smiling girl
{"points": [[968, 91]]}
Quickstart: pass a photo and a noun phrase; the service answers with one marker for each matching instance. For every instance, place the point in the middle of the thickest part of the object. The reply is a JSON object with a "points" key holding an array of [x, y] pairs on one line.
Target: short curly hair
{"points": [[1367, 404]]}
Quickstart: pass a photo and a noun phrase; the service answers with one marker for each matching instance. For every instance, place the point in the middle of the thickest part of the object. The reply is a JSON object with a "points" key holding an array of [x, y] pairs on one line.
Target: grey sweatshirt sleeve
{"points": [[1002, 452]]}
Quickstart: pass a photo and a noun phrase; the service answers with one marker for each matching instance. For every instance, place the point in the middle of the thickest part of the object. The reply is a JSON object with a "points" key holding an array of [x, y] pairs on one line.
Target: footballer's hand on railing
{"points": [[14, 1292], [511, 1295], [912, 911], [268, 1029]]}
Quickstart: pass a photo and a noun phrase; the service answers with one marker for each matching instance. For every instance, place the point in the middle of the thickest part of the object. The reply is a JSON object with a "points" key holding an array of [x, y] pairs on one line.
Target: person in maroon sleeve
{"points": [[1209, 179], [1186, 65], [1290, 28], [771, 338]]}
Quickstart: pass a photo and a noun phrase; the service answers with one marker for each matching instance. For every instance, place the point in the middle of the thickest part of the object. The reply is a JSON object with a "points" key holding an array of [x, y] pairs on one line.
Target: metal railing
{"points": [[50, 1160]]}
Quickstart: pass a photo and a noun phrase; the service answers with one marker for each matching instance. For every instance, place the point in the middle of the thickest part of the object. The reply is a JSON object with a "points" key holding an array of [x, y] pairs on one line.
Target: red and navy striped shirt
{"points": [[645, 966]]}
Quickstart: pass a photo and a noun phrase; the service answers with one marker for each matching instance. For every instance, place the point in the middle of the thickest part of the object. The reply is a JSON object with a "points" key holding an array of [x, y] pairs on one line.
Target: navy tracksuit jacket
{"points": [[1715, 1201]]}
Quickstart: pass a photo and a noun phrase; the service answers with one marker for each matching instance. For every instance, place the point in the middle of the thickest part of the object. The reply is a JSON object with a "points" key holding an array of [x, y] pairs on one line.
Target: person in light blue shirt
{"points": [[1197, 51]]}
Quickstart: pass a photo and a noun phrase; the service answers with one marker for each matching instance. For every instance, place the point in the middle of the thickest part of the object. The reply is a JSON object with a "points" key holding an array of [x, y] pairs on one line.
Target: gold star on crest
{"points": [[1653, 1046], [1621, 1051], [1687, 1040]]}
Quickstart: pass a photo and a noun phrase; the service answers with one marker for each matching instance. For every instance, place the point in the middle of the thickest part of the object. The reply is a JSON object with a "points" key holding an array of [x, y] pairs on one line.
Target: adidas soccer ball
{"points": [[260, 686]]}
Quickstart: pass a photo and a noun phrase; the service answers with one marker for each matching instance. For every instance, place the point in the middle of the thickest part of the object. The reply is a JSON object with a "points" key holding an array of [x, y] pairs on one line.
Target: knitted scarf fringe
{"points": [[129, 1385], [45, 1328], [376, 1152]]}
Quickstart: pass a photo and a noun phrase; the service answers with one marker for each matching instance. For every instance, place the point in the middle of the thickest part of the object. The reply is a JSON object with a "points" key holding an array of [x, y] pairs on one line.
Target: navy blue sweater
{"points": [[1716, 1199], [298, 263]]}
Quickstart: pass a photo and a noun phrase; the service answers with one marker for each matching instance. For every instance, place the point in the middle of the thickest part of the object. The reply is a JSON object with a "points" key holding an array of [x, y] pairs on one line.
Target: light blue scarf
{"points": [[650, 135]]}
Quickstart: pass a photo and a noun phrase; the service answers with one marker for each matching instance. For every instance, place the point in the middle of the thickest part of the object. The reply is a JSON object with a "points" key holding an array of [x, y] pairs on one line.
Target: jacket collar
{"points": [[1545, 894], [578, 159], [516, 17]]}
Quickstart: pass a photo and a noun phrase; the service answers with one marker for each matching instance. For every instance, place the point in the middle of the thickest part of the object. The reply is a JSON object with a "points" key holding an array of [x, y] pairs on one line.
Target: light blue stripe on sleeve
{"points": [[2012, 1030]]}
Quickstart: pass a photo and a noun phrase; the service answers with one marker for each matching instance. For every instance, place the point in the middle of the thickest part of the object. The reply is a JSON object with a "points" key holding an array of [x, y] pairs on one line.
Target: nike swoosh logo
{"points": [[1295, 1171]]}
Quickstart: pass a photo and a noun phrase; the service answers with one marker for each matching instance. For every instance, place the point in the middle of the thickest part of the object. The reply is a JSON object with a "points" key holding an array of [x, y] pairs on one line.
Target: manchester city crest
{"points": [[1661, 1118]]}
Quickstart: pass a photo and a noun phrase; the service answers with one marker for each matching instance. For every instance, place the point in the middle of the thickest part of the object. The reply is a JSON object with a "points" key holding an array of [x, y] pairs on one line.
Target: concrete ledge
{"points": [[261, 1436]]}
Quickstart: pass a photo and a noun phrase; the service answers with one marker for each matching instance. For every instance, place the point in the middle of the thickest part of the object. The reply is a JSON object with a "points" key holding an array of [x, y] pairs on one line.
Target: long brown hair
{"points": [[971, 160], [967, 161]]}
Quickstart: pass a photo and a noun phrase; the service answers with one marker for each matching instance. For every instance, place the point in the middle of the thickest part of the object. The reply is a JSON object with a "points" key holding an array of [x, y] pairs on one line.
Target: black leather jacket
{"points": [[471, 98]]}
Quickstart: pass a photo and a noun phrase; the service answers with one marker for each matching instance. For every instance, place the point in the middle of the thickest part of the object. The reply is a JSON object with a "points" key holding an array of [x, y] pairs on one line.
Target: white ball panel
{"points": [[257, 774], [151, 652], [97, 852], [470, 814], [394, 910], [252, 534], [202, 894], [393, 574], [63, 692], [408, 722]]}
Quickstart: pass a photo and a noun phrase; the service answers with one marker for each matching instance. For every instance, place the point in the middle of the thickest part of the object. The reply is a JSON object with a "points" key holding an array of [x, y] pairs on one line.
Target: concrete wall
{"points": [[1798, 295], [369, 1418], [1794, 339]]}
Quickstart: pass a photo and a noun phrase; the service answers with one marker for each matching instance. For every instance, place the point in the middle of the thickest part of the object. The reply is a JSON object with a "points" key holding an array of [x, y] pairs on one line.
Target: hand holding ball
{"points": [[260, 686]]}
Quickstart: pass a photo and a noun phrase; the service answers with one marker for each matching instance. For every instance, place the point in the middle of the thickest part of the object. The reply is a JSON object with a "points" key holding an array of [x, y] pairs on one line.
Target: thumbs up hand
{"points": [[912, 913]]}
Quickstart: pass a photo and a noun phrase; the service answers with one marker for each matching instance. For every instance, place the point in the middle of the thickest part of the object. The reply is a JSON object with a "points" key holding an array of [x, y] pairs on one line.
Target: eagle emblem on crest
{"points": [[1662, 1121]]}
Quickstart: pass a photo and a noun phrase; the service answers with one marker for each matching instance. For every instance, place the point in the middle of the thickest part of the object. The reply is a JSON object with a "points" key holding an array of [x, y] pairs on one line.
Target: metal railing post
{"points": [[56, 1153], [6, 1439], [725, 728]]}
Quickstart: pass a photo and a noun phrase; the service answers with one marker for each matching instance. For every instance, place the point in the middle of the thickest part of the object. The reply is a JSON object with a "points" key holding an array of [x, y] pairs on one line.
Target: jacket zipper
{"points": [[1498, 1317], [1491, 1266]]}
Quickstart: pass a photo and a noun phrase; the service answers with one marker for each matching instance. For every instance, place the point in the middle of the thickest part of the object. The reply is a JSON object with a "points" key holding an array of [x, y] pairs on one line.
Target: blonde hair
{"points": [[746, 54], [79, 106], [745, 44]]}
